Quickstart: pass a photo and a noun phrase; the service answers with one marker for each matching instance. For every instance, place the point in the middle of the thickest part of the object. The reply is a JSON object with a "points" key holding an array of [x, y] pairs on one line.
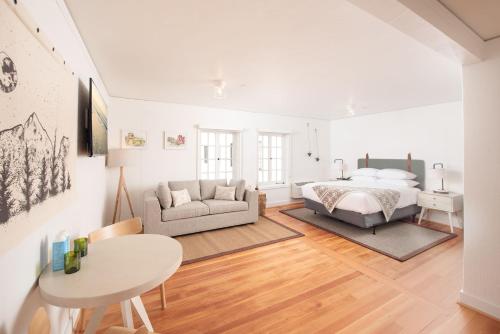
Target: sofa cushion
{"points": [[220, 206], [193, 188], [164, 195], [240, 188], [188, 210], [207, 188], [225, 193]]}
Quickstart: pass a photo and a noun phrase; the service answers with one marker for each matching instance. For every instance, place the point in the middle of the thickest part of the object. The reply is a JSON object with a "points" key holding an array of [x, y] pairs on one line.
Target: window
{"points": [[272, 158], [218, 156]]}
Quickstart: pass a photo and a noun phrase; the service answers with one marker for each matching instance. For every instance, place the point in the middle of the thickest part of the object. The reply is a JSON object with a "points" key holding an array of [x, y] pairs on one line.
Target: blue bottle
{"points": [[59, 247]]}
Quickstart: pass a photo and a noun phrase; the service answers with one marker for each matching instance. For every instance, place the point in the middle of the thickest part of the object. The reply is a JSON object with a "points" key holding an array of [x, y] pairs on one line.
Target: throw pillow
{"points": [[180, 197], [164, 195], [240, 188], [225, 193]]}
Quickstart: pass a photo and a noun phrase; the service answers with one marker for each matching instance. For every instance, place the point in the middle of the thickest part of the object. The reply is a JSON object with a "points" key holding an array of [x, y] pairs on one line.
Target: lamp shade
{"points": [[438, 173], [338, 164], [123, 157]]}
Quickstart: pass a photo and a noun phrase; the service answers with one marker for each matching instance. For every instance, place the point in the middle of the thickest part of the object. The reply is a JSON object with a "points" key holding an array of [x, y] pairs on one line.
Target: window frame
{"points": [[285, 168], [235, 154]]}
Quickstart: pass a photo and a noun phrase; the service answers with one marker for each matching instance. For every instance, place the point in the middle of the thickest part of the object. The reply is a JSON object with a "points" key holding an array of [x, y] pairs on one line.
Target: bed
{"points": [[361, 209]]}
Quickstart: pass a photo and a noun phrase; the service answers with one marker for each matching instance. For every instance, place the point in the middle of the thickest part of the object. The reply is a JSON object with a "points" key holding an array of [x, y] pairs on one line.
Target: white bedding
{"points": [[362, 202]]}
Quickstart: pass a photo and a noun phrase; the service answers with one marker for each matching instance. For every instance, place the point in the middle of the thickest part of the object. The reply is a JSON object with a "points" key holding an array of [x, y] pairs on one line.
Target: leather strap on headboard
{"points": [[367, 157], [408, 163]]}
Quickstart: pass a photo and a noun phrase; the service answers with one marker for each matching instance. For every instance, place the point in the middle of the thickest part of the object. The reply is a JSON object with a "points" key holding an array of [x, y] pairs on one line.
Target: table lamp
{"points": [[122, 158], [340, 167], [438, 171]]}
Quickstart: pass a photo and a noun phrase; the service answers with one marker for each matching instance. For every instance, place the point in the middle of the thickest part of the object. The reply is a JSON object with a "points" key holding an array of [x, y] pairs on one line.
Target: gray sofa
{"points": [[202, 213]]}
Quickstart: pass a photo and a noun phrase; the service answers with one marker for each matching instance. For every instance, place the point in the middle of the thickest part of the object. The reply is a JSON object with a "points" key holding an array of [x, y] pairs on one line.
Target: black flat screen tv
{"points": [[97, 123]]}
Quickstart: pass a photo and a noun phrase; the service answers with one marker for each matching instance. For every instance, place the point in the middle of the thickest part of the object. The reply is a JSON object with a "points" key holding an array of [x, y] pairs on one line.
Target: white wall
{"points": [[161, 165], [431, 133], [21, 265], [481, 287]]}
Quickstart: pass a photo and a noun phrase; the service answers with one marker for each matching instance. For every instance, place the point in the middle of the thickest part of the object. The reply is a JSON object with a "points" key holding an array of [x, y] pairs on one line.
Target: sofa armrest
{"points": [[152, 212], [252, 198]]}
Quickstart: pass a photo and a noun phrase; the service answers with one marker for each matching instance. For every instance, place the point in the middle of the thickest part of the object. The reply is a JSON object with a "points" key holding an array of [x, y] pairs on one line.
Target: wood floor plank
{"points": [[320, 283]]}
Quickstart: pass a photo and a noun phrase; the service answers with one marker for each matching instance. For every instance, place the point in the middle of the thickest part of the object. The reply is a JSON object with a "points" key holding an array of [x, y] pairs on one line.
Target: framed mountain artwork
{"points": [[38, 129]]}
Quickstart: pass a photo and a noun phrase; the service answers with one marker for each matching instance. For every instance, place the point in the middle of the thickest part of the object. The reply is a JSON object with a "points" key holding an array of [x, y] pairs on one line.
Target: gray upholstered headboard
{"points": [[417, 167]]}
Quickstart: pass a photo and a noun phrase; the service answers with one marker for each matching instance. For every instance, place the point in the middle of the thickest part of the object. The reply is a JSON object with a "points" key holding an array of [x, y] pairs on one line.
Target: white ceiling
{"points": [[291, 57], [482, 16]]}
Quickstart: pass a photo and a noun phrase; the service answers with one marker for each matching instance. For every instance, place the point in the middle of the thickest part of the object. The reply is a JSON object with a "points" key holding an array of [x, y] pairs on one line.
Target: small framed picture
{"points": [[175, 141], [134, 138]]}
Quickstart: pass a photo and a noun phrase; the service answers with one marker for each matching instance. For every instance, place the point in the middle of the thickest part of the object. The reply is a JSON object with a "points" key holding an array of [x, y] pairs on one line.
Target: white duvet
{"points": [[362, 202]]}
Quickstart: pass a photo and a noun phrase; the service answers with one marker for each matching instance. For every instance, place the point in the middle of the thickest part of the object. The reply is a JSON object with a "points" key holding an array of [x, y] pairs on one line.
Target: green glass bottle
{"points": [[71, 262], [81, 245]]}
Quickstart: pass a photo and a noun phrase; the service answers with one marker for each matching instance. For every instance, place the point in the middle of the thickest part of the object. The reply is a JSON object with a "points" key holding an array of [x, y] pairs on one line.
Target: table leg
{"points": [[450, 218], [139, 307], [127, 314], [95, 320], [422, 214]]}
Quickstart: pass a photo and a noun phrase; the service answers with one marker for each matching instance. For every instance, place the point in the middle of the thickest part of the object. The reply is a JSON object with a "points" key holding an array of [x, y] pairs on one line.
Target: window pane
{"points": [[204, 138], [211, 138], [273, 175], [265, 153], [273, 164], [204, 166], [211, 152], [211, 176], [222, 139], [222, 153], [273, 141], [278, 141], [278, 176], [204, 175], [229, 139], [211, 166], [260, 176], [222, 166], [229, 176], [274, 151], [278, 164], [265, 141]]}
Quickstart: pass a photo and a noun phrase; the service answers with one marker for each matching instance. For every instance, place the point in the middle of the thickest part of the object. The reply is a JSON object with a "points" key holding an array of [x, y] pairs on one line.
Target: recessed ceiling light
{"points": [[350, 110], [219, 92]]}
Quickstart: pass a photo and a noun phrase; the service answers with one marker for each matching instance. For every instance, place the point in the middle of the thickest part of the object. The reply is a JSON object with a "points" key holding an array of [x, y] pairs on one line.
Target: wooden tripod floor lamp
{"points": [[122, 158]]}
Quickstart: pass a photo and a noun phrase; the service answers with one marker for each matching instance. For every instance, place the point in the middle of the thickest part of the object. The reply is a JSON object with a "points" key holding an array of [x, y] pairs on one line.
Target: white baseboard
{"points": [[480, 305]]}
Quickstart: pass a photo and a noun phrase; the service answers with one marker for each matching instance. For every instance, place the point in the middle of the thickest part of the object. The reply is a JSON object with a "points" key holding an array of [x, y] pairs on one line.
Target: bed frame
{"points": [[375, 219]]}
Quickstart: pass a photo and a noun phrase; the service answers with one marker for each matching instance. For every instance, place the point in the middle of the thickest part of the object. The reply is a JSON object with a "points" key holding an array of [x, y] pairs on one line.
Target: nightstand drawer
{"points": [[435, 202]]}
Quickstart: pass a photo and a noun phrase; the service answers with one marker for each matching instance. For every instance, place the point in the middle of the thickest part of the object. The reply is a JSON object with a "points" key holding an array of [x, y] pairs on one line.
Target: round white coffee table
{"points": [[116, 270]]}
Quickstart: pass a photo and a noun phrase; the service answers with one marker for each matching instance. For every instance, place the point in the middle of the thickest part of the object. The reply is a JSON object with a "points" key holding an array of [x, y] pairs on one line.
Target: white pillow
{"points": [[364, 178], [365, 172], [398, 174], [225, 193], [396, 182], [180, 197]]}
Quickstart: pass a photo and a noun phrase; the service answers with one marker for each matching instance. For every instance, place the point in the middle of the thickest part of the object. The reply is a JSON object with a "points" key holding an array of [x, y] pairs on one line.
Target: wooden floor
{"points": [[319, 283]]}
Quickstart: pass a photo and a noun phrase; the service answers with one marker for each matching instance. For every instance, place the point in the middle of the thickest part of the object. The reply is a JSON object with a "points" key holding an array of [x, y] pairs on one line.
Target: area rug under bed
{"points": [[210, 244], [398, 240]]}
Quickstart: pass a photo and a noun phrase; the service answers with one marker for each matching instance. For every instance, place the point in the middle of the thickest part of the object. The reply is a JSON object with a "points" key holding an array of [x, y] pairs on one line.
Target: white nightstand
{"points": [[450, 203]]}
